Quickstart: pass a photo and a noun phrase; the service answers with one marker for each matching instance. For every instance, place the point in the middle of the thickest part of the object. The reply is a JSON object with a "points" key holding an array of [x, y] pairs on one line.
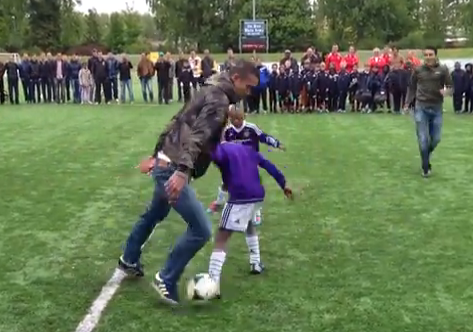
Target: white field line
{"points": [[90, 321]]}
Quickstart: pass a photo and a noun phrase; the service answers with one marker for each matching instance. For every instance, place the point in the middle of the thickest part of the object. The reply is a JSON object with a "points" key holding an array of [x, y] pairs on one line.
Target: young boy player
{"points": [[238, 165], [246, 133]]}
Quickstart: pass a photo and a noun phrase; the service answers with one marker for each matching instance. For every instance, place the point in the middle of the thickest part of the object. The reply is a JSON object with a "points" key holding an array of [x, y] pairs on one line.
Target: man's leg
{"points": [[435, 128], [157, 210], [423, 137], [199, 230]]}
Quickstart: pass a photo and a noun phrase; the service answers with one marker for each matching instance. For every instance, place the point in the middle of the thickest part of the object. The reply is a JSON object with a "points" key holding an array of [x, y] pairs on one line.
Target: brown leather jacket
{"points": [[145, 68]]}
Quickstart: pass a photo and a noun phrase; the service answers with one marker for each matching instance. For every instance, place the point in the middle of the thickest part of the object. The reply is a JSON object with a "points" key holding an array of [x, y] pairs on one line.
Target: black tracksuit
{"points": [[35, 81], [323, 86], [178, 70], [311, 86], [12, 69], [460, 82], [185, 79], [46, 87], [100, 75], [162, 71], [295, 81], [344, 81], [386, 69], [2, 86], [469, 90], [25, 79], [394, 84], [284, 91], [273, 92], [207, 67]]}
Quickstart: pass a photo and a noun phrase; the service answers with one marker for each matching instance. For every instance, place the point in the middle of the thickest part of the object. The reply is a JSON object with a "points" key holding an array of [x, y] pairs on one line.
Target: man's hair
{"points": [[244, 68], [432, 48]]}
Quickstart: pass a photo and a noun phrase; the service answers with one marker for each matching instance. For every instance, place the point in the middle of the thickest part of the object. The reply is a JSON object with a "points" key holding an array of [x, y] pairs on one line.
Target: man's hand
{"points": [[147, 165], [175, 184], [445, 92], [288, 193], [406, 108]]}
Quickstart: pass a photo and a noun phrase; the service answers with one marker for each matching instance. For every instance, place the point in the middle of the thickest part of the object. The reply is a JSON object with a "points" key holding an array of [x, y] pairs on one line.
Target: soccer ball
{"points": [[202, 287]]}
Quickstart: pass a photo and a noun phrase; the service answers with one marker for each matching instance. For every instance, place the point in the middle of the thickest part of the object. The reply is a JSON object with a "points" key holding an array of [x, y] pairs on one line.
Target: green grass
{"points": [[368, 245], [364, 55]]}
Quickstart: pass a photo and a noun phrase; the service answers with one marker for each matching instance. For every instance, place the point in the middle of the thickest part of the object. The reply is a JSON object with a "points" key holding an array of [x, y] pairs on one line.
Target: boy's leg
{"points": [[252, 241]]}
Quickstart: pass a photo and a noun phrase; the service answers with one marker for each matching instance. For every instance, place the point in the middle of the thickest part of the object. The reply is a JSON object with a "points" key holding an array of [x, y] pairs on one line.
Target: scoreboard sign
{"points": [[254, 35]]}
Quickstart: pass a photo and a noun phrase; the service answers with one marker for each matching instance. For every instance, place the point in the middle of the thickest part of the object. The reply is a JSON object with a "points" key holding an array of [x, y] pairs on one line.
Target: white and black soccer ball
{"points": [[202, 287]]}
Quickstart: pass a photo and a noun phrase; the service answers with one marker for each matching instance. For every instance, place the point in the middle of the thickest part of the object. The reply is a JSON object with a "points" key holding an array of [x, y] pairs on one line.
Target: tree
{"points": [[73, 25], [116, 34], [132, 21], [93, 34], [45, 23]]}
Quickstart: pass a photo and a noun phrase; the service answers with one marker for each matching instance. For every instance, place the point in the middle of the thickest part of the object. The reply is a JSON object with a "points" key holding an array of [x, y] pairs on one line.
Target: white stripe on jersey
{"points": [[253, 126]]}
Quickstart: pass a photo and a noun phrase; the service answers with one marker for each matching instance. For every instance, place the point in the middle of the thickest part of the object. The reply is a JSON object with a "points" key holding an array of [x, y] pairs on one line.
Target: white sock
{"points": [[217, 259], [220, 196], [257, 215], [253, 247]]}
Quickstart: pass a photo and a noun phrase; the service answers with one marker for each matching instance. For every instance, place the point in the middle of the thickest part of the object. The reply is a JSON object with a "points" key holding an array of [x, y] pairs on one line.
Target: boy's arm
{"points": [[267, 139], [272, 170]]}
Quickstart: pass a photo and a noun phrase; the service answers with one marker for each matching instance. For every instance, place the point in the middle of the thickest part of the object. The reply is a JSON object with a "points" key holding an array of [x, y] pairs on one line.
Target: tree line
{"points": [[56, 25]]}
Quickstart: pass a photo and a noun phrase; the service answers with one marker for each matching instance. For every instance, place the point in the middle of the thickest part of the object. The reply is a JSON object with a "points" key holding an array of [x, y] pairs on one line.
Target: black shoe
{"points": [[167, 293], [134, 270], [256, 268]]}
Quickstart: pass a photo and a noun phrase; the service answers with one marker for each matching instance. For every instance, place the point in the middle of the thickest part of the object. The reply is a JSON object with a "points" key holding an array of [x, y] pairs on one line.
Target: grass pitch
{"points": [[368, 245]]}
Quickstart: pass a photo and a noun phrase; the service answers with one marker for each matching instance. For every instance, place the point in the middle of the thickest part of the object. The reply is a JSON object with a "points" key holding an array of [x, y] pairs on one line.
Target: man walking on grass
{"points": [[183, 151], [430, 82]]}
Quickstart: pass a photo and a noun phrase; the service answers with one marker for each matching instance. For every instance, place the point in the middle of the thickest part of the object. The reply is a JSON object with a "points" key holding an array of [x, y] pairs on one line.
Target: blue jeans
{"points": [[147, 87], [126, 85], [194, 238], [429, 120]]}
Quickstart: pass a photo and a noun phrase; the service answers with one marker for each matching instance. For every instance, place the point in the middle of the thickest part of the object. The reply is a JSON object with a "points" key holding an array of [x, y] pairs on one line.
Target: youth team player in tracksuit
{"points": [[310, 82], [354, 104], [284, 92], [384, 74], [246, 133], [344, 80], [393, 82], [459, 80], [323, 85], [363, 93], [185, 79], [295, 81], [469, 89], [273, 89], [332, 88], [376, 87]]}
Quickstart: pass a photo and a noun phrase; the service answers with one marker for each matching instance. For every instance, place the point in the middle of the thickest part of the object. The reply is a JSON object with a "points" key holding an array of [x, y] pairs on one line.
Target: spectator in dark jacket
{"points": [[35, 80], [112, 81], [469, 89], [12, 69], [101, 75], [2, 86], [124, 70], [162, 67], [178, 67], [25, 77], [74, 68], [46, 85], [60, 72]]}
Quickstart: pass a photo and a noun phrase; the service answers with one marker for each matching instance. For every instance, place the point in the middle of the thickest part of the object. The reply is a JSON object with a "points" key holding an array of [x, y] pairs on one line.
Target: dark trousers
{"points": [[68, 89], [321, 100], [262, 97], [25, 84], [163, 91], [273, 101], [113, 82], [342, 100], [388, 100], [179, 90], [13, 91], [312, 100], [186, 91], [2, 91], [46, 89], [75, 90], [457, 101], [35, 90], [60, 90], [397, 100], [100, 85], [195, 83], [403, 96], [332, 101], [171, 88]]}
